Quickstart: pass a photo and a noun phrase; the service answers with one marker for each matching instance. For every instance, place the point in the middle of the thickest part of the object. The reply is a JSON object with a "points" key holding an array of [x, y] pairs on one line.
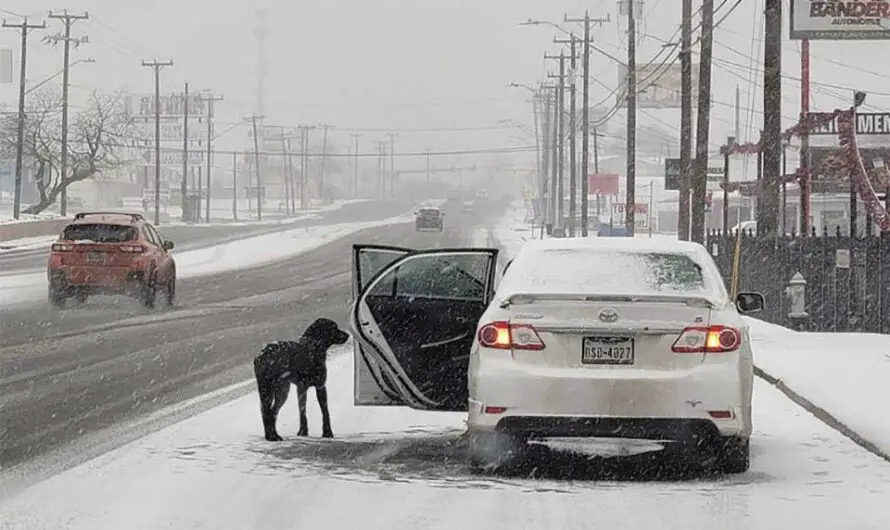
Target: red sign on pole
{"points": [[619, 208], [602, 184]]}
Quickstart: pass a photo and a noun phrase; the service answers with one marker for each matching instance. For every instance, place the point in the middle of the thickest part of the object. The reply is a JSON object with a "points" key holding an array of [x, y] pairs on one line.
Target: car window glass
{"points": [[454, 276], [148, 236], [159, 241], [99, 233], [371, 262]]}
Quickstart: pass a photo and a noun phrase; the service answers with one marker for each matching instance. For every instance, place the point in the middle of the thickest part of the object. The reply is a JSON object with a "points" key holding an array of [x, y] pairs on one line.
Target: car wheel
{"points": [[170, 289], [57, 299], [494, 452], [734, 455], [81, 297], [148, 292]]}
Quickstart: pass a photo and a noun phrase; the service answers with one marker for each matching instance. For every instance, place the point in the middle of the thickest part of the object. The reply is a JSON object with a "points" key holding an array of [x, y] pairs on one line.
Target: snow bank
{"points": [[847, 374]]}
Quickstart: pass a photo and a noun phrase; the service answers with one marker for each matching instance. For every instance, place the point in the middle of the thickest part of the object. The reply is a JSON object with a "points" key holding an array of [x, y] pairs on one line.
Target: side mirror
{"points": [[748, 303], [168, 245], [442, 214]]}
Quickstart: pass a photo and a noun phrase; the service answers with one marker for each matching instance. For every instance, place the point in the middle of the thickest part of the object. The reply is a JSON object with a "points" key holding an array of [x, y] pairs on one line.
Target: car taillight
{"points": [[133, 249], [713, 339], [506, 336], [62, 247]]}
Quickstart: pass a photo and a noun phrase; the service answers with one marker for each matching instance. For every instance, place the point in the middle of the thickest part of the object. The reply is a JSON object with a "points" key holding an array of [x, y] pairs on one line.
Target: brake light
{"points": [[62, 247], [133, 249], [505, 336], [713, 339]]}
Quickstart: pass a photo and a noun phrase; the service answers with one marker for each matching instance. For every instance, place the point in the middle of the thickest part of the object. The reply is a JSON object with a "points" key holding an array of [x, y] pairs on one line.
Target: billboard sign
{"points": [[867, 123], [672, 174], [658, 86], [172, 105], [840, 19], [642, 208], [171, 131], [172, 158], [602, 184]]}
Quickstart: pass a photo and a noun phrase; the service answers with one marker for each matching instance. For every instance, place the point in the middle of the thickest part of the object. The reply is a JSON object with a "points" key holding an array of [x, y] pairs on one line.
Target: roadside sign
{"points": [[172, 158], [143, 105], [618, 208], [172, 129], [672, 174]]}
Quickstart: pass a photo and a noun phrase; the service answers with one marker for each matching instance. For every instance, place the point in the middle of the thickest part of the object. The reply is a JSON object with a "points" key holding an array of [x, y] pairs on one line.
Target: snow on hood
{"points": [[614, 267]]}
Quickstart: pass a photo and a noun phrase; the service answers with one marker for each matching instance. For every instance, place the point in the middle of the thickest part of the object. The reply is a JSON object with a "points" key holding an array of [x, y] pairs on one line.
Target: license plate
{"points": [[607, 350], [96, 257]]}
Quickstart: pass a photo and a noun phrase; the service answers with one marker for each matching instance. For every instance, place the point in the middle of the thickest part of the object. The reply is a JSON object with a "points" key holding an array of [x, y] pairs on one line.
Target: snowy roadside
{"points": [[846, 374], [240, 254], [401, 468]]}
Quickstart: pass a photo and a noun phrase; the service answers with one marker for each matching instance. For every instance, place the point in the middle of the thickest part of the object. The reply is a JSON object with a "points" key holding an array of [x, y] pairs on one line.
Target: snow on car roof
{"points": [[614, 266]]}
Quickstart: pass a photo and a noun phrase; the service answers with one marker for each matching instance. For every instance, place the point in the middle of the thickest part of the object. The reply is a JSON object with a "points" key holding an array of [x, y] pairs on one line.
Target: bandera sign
{"points": [[840, 19]]}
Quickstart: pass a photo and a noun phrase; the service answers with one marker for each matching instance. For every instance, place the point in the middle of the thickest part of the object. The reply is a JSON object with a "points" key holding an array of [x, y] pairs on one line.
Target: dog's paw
{"points": [[274, 437], [327, 434]]}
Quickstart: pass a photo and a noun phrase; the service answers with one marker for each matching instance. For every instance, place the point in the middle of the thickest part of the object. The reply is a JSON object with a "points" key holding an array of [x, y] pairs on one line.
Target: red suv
{"points": [[110, 253]]}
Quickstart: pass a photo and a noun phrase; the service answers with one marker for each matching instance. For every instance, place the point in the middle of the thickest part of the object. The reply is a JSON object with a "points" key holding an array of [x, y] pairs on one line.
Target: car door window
{"points": [[149, 237], [159, 241]]}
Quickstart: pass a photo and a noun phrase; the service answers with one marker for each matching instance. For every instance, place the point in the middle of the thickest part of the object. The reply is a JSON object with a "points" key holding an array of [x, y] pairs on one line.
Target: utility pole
{"points": [[685, 121], [730, 143], [545, 148], [392, 163], [585, 119], [183, 185], [256, 166], [156, 66], [560, 137], [573, 142], [68, 20], [210, 100], [805, 176], [24, 27], [324, 158], [629, 219], [304, 164], [355, 138], [234, 185], [700, 179], [767, 218], [428, 167], [291, 177], [284, 169], [596, 169]]}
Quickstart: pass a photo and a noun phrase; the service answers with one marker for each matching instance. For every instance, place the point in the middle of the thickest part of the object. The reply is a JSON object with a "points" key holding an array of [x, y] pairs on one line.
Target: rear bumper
{"points": [[608, 403], [94, 280], [428, 226]]}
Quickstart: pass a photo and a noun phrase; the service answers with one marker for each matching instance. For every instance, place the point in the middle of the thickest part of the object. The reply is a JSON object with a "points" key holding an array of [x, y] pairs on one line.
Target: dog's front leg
{"points": [[321, 393], [304, 421]]}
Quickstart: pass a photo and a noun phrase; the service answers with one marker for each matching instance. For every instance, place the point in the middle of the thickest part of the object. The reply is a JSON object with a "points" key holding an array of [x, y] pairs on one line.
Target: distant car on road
{"points": [[110, 253], [582, 337], [429, 219], [469, 206]]}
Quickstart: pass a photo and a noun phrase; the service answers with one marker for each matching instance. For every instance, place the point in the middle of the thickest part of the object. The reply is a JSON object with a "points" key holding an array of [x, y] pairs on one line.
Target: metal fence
{"points": [[847, 279]]}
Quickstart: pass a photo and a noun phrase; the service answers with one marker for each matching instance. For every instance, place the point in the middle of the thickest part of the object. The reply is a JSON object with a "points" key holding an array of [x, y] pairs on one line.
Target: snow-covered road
{"points": [[394, 468]]}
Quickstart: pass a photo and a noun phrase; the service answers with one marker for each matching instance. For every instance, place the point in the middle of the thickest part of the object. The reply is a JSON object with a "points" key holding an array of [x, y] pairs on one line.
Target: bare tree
{"points": [[98, 138]]}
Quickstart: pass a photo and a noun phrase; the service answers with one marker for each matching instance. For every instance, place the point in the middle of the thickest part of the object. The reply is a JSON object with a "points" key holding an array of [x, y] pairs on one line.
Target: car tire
{"points": [[170, 289], [81, 297], [734, 455], [57, 299], [494, 452], [148, 292]]}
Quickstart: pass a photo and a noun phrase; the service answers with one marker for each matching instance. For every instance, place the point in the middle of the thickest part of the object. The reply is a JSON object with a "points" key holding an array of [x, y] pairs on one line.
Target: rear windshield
{"points": [[429, 213], [99, 233], [596, 271]]}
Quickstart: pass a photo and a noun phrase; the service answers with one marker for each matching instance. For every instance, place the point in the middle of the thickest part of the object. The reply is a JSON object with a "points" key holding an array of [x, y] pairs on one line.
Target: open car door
{"points": [[417, 319], [372, 386]]}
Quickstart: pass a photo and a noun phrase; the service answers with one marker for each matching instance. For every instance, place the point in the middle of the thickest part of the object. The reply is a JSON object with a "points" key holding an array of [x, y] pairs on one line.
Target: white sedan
{"points": [[603, 338]]}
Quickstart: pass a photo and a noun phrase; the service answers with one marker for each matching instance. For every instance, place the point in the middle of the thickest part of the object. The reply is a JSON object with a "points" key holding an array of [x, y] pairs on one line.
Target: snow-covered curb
{"points": [[843, 378]]}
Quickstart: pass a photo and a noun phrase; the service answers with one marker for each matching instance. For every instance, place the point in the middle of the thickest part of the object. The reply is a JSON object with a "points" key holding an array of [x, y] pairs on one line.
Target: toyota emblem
{"points": [[609, 315]]}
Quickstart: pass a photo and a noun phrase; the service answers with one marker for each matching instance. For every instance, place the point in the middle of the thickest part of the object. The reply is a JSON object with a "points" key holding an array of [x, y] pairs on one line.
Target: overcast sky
{"points": [[409, 64]]}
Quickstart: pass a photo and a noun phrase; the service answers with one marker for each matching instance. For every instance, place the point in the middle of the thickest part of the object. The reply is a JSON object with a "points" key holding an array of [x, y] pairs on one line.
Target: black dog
{"points": [[301, 363]]}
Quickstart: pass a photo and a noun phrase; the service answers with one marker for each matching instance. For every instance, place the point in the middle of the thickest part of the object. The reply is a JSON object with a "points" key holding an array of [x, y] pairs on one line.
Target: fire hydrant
{"points": [[796, 292]]}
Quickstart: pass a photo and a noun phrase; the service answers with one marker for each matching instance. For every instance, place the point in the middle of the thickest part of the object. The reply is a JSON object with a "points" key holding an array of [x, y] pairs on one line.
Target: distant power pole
{"points": [[20, 140], [183, 185], [771, 146], [700, 179], [559, 144], [68, 20], [392, 163], [256, 165], [156, 66], [210, 100], [355, 137], [324, 157], [428, 167], [573, 174]]}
